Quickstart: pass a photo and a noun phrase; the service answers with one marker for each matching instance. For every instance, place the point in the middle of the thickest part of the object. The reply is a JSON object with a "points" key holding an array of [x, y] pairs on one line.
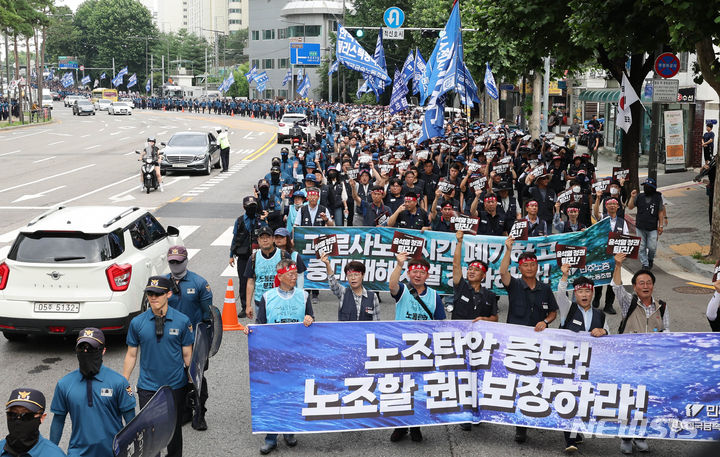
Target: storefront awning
{"points": [[600, 95]]}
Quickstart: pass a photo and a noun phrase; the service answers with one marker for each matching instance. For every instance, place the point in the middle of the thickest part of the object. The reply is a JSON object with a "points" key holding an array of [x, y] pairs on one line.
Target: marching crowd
{"points": [[362, 167]]}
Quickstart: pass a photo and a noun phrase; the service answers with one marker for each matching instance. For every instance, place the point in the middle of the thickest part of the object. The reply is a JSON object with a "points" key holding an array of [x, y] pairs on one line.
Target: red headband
{"points": [[313, 192], [411, 198], [418, 266], [478, 265], [527, 259], [291, 267], [584, 286], [490, 198], [573, 210], [611, 200], [531, 202]]}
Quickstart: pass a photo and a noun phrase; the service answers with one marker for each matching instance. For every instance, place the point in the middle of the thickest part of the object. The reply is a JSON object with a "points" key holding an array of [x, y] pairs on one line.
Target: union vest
{"points": [[408, 309], [282, 310], [306, 220], [265, 271], [575, 320], [348, 310]]}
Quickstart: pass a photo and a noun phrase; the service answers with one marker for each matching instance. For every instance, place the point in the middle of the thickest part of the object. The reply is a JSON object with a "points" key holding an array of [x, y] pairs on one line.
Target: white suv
{"points": [[78, 267], [287, 122]]}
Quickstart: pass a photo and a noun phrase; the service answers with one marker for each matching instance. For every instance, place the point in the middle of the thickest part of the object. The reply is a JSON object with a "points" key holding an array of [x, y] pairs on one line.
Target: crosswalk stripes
{"points": [[211, 182]]}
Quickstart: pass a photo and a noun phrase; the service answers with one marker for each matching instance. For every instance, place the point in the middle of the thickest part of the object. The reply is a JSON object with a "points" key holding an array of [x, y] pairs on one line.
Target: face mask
{"points": [[90, 363], [178, 270], [275, 178], [250, 211], [576, 189], [264, 191], [284, 157], [648, 190], [614, 191], [23, 435]]}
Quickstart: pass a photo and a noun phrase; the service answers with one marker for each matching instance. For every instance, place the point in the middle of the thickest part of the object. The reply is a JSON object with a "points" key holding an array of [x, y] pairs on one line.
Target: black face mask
{"points": [[264, 191], [275, 178], [250, 211], [649, 190], [23, 435], [90, 363], [284, 157]]}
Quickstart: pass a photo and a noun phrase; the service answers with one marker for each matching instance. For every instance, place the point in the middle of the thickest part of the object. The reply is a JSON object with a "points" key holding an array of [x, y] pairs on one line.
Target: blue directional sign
{"points": [[394, 17], [304, 53]]}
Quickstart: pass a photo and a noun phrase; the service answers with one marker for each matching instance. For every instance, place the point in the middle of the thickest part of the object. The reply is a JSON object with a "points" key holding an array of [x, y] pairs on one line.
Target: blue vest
{"points": [[348, 310], [282, 310], [408, 309], [265, 271], [574, 320]]}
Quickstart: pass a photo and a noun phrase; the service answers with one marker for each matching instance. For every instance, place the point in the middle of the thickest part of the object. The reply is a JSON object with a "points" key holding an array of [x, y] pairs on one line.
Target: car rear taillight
{"points": [[56, 329], [119, 276], [4, 272], [281, 124]]}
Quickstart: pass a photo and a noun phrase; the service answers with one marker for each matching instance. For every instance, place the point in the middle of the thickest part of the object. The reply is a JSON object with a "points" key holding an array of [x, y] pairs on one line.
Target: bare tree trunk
{"points": [[38, 73], [21, 114], [28, 73], [536, 95]]}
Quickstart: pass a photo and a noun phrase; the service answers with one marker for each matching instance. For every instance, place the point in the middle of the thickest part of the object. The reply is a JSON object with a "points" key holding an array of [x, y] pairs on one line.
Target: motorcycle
{"points": [[147, 168]]}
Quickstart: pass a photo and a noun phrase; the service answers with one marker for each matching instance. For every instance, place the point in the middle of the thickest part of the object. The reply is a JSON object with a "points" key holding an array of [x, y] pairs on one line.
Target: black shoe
{"points": [[645, 267], [520, 435], [398, 434], [268, 448], [198, 423], [579, 439], [596, 304], [650, 265], [415, 434], [291, 441], [608, 309], [242, 314], [466, 426]]}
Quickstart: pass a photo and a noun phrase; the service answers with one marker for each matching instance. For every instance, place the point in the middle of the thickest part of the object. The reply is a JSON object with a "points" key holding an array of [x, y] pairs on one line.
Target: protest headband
{"points": [[611, 200], [531, 203], [446, 204], [418, 266], [289, 268], [490, 198], [573, 210], [411, 198], [478, 265], [527, 259], [315, 192], [586, 285]]}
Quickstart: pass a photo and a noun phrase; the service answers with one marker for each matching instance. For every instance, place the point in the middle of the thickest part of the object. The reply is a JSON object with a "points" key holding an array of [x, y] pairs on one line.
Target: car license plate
{"points": [[57, 307], [179, 165]]}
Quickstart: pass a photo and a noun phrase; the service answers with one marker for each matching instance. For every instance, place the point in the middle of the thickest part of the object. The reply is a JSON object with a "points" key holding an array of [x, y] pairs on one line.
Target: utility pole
{"points": [[654, 129], [546, 96], [162, 85], [152, 67], [206, 72], [113, 59]]}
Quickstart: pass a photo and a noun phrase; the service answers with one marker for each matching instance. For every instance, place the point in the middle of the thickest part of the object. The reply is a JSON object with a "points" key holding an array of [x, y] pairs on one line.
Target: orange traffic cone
{"points": [[229, 312], [252, 115], [163, 107], [183, 110], [232, 113]]}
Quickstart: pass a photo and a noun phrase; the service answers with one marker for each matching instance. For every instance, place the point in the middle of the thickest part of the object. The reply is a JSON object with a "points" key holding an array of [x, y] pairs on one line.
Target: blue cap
{"points": [[650, 182], [310, 177], [375, 156], [310, 165], [299, 193], [460, 159], [282, 232]]}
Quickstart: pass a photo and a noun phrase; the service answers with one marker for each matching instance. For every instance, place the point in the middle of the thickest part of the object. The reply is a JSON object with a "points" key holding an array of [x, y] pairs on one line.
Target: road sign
{"points": [[667, 65], [508, 87], [82, 67], [304, 53], [393, 34], [394, 17], [665, 90], [65, 62]]}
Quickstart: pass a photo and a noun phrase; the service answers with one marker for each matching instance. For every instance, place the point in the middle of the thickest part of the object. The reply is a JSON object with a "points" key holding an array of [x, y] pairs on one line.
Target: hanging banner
{"points": [[371, 375], [674, 138], [373, 246]]}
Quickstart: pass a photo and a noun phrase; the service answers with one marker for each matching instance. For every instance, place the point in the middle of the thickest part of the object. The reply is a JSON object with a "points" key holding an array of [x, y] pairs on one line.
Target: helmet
{"points": [[218, 129], [151, 138], [284, 151]]}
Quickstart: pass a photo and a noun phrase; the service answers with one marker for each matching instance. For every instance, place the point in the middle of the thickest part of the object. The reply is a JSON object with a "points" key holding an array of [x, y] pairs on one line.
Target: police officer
{"points": [[97, 398], [165, 337], [531, 302], [356, 303], [25, 411], [192, 297], [285, 303], [224, 143]]}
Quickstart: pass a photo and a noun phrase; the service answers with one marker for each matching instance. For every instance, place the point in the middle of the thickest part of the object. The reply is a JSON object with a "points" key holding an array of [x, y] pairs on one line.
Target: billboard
{"points": [[67, 62], [304, 53]]}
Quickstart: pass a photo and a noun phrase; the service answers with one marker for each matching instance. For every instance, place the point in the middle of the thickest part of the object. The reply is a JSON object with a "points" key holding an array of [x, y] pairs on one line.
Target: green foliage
{"points": [[240, 88], [235, 46], [183, 49]]}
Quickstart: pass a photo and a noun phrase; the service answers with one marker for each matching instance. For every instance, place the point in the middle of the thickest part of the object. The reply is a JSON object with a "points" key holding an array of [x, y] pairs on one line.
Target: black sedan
{"points": [[83, 106], [191, 151]]}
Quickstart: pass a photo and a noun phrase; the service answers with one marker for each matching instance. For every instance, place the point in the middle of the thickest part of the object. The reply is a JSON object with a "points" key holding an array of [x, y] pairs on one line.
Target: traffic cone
{"points": [[183, 110], [232, 113], [229, 312], [163, 107], [252, 115]]}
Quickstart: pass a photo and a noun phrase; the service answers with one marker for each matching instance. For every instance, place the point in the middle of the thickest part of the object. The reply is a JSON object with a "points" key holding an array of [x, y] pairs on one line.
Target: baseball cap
{"points": [[310, 177], [264, 230], [249, 200], [299, 193], [32, 399], [94, 337], [282, 232], [158, 285], [177, 253], [310, 165], [650, 182]]}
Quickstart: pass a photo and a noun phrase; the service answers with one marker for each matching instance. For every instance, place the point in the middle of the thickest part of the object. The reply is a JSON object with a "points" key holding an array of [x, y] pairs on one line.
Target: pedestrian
{"points": [[712, 308], [409, 215], [193, 297], [260, 270], [25, 411], [355, 302], [96, 397], [594, 142], [374, 213], [571, 224], [531, 302], [224, 142], [243, 242], [618, 224], [641, 313], [708, 143], [649, 221], [471, 300], [413, 302], [285, 303], [165, 337], [544, 197], [578, 316]]}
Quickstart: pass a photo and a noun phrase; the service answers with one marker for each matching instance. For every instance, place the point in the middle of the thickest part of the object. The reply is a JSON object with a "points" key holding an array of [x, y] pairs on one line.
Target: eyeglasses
{"points": [[25, 417], [153, 294], [353, 274]]}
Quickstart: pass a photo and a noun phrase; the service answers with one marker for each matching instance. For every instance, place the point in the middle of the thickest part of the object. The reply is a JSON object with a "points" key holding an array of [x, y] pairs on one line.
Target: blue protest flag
{"points": [[103, 76], [147, 86], [398, 102], [300, 74], [261, 86], [132, 80], [304, 88], [408, 68], [287, 78], [85, 80], [333, 68], [372, 84], [467, 89], [352, 55], [251, 74], [419, 69], [490, 86], [260, 77]]}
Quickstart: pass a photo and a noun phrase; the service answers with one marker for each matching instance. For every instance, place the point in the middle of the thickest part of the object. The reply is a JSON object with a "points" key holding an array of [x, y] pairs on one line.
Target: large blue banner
{"points": [[371, 245], [344, 376]]}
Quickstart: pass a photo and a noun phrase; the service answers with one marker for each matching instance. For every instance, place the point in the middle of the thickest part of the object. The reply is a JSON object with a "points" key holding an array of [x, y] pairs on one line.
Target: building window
{"points": [[234, 10], [304, 30], [268, 64], [255, 35], [254, 63], [282, 34], [283, 63], [282, 93], [269, 34], [684, 56], [235, 21]]}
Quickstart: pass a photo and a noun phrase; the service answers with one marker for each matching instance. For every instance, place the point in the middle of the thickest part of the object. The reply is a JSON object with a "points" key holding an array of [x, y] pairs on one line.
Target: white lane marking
{"points": [[97, 190], [46, 178], [8, 153], [141, 132], [229, 271], [225, 239], [92, 147], [60, 134], [162, 133], [9, 236], [187, 230], [85, 136], [124, 138], [38, 195], [191, 252], [56, 142], [46, 158], [29, 134], [130, 153], [114, 133]]}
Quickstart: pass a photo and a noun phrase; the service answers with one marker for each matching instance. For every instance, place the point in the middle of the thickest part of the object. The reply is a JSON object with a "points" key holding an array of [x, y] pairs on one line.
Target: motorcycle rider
{"points": [[157, 157]]}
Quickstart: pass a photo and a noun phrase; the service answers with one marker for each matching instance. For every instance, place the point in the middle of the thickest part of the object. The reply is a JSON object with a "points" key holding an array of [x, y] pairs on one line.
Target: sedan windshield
{"points": [[188, 140]]}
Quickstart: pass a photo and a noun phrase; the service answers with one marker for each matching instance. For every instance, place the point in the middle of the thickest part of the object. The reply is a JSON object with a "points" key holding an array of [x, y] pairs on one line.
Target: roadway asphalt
{"points": [[90, 161]]}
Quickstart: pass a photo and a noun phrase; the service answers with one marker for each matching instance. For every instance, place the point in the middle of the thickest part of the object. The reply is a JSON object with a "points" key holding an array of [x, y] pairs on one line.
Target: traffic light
{"points": [[359, 33], [429, 33]]}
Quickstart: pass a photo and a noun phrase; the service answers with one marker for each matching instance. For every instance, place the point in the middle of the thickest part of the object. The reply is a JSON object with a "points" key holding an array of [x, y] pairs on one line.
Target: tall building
{"points": [[270, 36], [202, 17]]}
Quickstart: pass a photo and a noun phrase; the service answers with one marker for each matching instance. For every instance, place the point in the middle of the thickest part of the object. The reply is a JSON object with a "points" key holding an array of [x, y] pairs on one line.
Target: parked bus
{"points": [[107, 94]]}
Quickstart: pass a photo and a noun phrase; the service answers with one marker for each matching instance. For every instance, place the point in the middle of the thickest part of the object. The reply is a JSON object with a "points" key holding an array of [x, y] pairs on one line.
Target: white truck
{"points": [[47, 100]]}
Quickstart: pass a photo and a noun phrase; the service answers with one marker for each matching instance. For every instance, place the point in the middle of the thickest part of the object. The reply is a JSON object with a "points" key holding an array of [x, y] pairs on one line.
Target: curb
{"points": [[693, 266], [36, 124]]}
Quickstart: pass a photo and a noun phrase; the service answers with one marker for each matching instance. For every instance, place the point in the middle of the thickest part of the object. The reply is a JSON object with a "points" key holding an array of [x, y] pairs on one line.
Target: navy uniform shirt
{"points": [[93, 428], [469, 303], [161, 361], [43, 448], [416, 221], [529, 306], [192, 297]]}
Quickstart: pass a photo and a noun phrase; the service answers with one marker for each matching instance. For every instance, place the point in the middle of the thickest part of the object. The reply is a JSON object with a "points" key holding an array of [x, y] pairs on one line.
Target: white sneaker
{"points": [[161, 188], [142, 187]]}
